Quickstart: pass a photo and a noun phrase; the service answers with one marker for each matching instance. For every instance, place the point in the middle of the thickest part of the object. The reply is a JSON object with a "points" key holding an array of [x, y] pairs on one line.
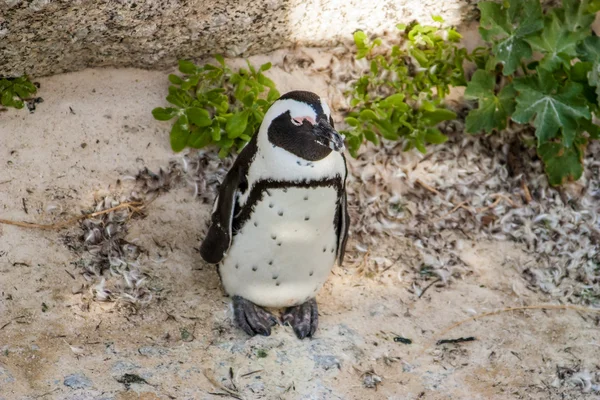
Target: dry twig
{"points": [[427, 187], [135, 206], [215, 383]]}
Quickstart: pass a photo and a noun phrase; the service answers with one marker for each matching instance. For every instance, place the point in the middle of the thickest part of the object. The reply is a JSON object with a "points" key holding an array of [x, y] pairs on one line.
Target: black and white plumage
{"points": [[280, 220]]}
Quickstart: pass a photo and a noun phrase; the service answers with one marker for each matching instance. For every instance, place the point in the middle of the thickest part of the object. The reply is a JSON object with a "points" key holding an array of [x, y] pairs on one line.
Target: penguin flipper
{"points": [[343, 225], [218, 238]]}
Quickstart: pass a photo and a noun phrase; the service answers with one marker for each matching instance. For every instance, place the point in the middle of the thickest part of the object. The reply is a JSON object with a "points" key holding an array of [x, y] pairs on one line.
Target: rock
{"points": [[77, 381], [124, 366], [44, 37], [153, 351], [327, 362], [5, 376]]}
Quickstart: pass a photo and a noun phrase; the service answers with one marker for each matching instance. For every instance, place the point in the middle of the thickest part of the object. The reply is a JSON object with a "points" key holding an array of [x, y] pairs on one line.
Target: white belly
{"points": [[285, 251]]}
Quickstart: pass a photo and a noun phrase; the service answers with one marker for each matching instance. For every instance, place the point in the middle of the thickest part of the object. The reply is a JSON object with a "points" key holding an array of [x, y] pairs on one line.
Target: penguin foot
{"points": [[251, 318], [303, 318]]}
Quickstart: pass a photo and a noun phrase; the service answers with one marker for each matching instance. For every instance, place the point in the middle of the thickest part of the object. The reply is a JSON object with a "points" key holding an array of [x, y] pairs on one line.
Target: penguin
{"points": [[280, 219]]}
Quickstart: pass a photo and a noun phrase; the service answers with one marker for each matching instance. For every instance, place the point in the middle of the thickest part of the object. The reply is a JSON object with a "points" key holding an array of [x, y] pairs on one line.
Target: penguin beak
{"points": [[327, 136]]}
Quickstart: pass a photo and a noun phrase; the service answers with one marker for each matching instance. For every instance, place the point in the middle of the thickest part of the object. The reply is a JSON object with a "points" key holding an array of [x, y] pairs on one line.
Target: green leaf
{"points": [[7, 98], [199, 139], [272, 95], [508, 25], [179, 97], [164, 114], [577, 15], [396, 99], [371, 137], [28, 85], [223, 152], [215, 133], [248, 99], [351, 121], [592, 129], [175, 80], [556, 42], [437, 116], [420, 145], [434, 136], [593, 6], [266, 66], [199, 116], [220, 59], [437, 18], [236, 125], [360, 39], [552, 106], [367, 115], [493, 110], [187, 67], [179, 135], [561, 163], [21, 91], [589, 50]]}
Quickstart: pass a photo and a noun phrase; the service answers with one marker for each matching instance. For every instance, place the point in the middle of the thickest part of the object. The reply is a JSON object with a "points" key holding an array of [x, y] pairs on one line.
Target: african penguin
{"points": [[280, 220]]}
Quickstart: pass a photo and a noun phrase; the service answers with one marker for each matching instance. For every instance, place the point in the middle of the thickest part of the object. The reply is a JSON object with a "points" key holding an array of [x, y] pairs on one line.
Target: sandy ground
{"points": [[95, 127]]}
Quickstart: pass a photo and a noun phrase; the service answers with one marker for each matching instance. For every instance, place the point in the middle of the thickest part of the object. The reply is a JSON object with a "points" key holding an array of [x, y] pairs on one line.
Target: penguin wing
{"points": [[218, 238], [343, 223], [220, 232]]}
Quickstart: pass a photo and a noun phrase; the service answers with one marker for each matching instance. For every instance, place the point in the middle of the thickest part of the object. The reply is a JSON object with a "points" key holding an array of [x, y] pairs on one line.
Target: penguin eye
{"points": [[296, 121]]}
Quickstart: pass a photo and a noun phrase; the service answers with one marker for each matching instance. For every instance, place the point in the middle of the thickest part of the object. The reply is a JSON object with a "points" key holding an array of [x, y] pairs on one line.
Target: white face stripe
{"points": [[326, 109]]}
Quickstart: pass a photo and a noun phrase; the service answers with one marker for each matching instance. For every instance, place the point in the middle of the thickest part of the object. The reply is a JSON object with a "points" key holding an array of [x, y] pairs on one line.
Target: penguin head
{"points": [[300, 123]]}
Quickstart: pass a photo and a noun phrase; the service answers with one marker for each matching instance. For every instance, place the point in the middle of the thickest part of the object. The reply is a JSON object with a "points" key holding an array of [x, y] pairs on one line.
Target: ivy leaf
{"points": [[556, 42], [164, 114], [551, 106], [199, 116], [508, 25], [593, 6], [493, 110], [561, 163], [592, 129], [578, 15], [589, 50]]}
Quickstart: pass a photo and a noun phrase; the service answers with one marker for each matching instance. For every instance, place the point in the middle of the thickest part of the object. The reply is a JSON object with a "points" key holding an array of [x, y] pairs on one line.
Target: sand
{"points": [[94, 128]]}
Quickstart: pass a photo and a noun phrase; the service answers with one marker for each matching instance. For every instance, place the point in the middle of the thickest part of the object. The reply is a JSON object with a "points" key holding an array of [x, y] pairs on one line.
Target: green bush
{"points": [[213, 105], [13, 91], [540, 69], [402, 94]]}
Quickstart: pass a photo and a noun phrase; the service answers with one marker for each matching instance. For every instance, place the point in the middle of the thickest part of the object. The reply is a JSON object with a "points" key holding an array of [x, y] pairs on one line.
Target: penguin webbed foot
{"points": [[303, 318], [252, 318]]}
